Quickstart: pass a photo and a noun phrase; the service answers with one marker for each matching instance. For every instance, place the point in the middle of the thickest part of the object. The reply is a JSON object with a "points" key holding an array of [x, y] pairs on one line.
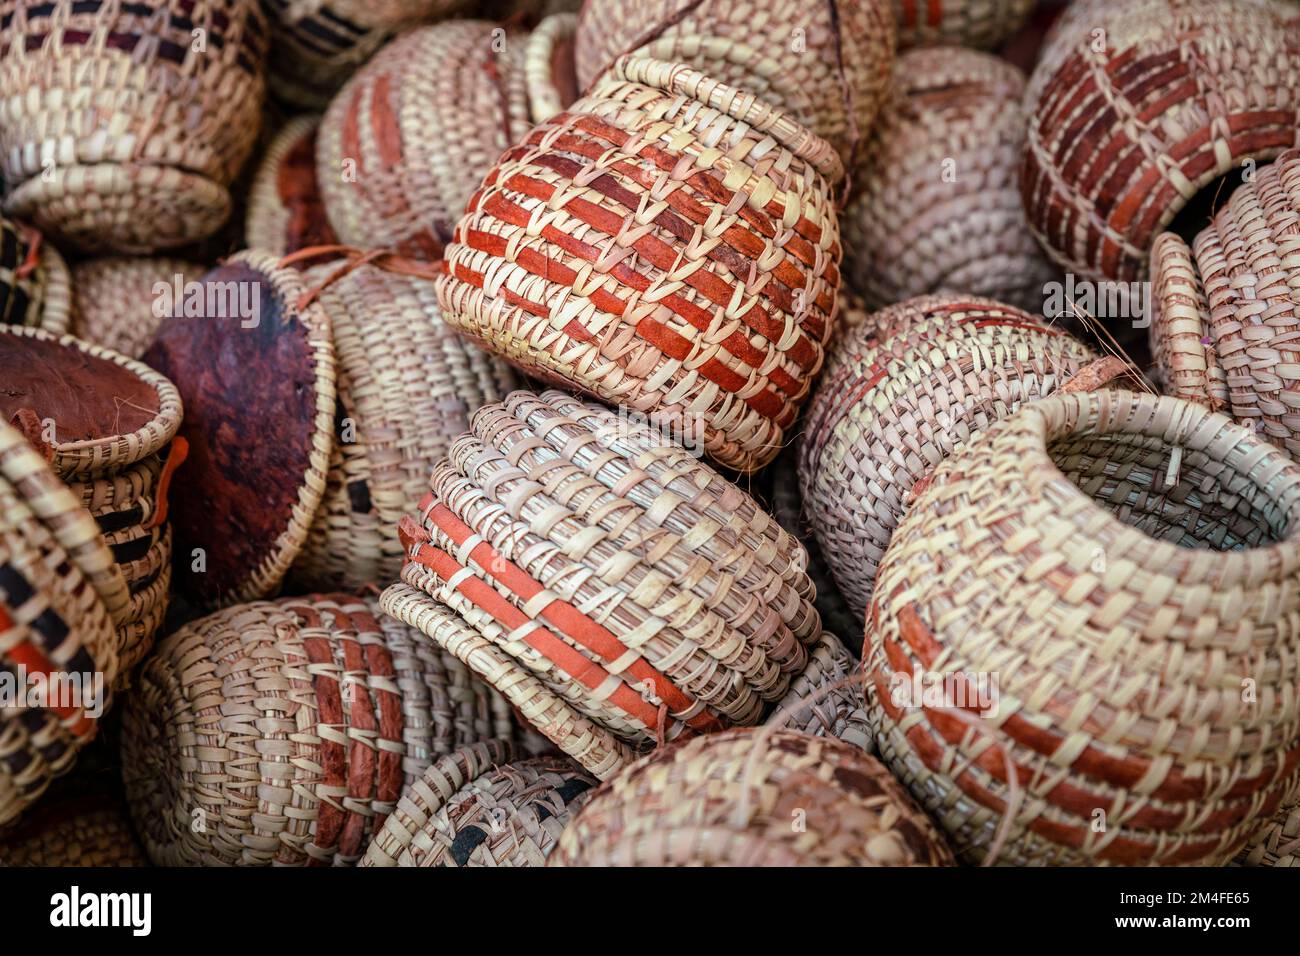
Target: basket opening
{"points": [[1200, 210], [1209, 505]]}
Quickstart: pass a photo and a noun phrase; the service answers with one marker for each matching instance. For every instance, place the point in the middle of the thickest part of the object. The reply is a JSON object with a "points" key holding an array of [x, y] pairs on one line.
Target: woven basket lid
{"points": [[1087, 557], [937, 205], [753, 798], [971, 23], [476, 807], [285, 210], [261, 426], [346, 709], [113, 299]]}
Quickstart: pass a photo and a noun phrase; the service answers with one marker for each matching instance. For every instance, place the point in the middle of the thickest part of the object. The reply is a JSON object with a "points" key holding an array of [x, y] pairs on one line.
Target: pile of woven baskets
{"points": [[672, 433]]}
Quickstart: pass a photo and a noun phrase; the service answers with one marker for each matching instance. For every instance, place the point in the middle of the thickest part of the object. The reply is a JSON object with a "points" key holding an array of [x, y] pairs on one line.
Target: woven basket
{"points": [[1276, 843], [175, 114], [283, 733], [1120, 141], [260, 432], [55, 574], [1121, 573], [1225, 320], [406, 387], [285, 209], [825, 62], [899, 394], [938, 204], [114, 296], [90, 830], [826, 700], [476, 807], [407, 141], [748, 798], [617, 250], [647, 595], [34, 286], [320, 43], [973, 23]]}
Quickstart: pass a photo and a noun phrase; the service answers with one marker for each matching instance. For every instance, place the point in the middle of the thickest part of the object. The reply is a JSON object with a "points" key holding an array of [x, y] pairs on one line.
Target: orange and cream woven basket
{"points": [[1138, 108], [615, 588], [937, 206], [35, 288], [1225, 327], [481, 806], [899, 394], [285, 209], [177, 92], [115, 299], [824, 62], [1083, 642], [343, 706], [407, 141], [753, 798], [620, 250], [974, 23]]}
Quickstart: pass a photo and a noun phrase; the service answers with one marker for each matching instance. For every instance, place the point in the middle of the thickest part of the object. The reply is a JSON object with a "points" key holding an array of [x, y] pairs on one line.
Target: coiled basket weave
{"points": [[285, 209], [480, 806], [116, 299], [34, 286], [899, 394], [824, 62], [1137, 106], [105, 423], [612, 586], [283, 733], [753, 798], [123, 124], [669, 245], [938, 207], [57, 583], [1121, 573], [91, 830], [826, 700], [1225, 323], [406, 142], [972, 23]]}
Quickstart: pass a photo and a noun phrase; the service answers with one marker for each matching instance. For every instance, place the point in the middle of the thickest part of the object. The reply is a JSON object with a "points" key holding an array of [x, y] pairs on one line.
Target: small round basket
{"points": [[1225, 325], [78, 831], [283, 733], [1082, 641], [116, 299], [1141, 111], [285, 209], [706, 305], [899, 393], [476, 807], [826, 63], [937, 208], [123, 124], [35, 289], [983, 24], [407, 141], [649, 596], [753, 798]]}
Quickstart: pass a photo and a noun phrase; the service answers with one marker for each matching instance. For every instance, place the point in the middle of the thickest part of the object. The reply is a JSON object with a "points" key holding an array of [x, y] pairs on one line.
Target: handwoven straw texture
{"points": [[285, 209], [114, 299], [973, 23], [1276, 843], [408, 139], [618, 249], [34, 283], [1225, 325], [477, 808], [938, 205], [652, 596], [1137, 105], [549, 69], [283, 733], [753, 798], [407, 384], [52, 618], [80, 832], [1123, 573], [899, 394], [318, 44], [825, 62], [811, 706], [175, 115]]}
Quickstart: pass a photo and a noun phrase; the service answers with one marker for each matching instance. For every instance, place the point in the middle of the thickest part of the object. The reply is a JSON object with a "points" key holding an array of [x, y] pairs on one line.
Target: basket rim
{"points": [[544, 96]]}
